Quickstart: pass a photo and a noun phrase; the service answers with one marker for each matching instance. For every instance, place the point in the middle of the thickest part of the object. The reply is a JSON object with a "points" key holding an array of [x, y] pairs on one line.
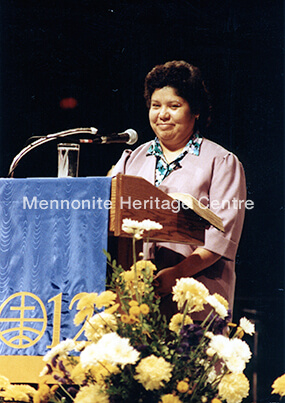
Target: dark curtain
{"points": [[98, 53]]}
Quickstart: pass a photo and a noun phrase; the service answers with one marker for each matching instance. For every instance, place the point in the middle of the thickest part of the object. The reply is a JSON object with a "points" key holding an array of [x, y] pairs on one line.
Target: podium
{"points": [[52, 234], [135, 198]]}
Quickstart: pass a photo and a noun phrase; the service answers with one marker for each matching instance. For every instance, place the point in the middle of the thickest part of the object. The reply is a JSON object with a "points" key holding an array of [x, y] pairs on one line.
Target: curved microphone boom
{"points": [[129, 137], [45, 139]]}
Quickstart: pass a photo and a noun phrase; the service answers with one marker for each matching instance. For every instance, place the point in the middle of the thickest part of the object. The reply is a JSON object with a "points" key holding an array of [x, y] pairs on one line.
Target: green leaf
{"points": [[108, 255]]}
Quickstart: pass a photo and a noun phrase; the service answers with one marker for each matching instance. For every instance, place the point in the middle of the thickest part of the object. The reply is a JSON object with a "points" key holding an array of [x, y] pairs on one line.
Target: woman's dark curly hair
{"points": [[186, 80]]}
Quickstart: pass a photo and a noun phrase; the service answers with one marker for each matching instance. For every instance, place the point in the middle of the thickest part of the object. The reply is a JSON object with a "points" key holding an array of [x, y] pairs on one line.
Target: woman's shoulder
{"points": [[139, 152], [131, 158], [142, 148], [210, 148]]}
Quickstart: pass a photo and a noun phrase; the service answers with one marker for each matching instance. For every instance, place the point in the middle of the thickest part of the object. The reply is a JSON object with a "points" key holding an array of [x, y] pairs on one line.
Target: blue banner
{"points": [[52, 236]]}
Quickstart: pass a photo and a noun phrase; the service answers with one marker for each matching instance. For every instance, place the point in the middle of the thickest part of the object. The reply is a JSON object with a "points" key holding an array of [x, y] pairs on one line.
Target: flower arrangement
{"points": [[133, 355], [278, 387]]}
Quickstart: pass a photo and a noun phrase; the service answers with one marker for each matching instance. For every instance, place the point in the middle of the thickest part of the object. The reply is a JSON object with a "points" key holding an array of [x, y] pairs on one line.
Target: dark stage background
{"points": [[99, 52]]}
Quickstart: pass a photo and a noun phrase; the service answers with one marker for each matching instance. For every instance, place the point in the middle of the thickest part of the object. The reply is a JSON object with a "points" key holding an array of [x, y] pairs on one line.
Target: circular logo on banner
{"points": [[23, 320]]}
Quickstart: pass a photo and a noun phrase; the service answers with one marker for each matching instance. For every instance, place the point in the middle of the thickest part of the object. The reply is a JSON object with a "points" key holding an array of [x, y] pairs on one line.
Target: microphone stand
{"points": [[45, 139]]}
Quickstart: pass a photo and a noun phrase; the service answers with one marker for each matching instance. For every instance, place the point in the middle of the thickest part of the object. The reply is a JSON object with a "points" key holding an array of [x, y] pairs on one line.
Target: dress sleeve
{"points": [[227, 197], [120, 167]]}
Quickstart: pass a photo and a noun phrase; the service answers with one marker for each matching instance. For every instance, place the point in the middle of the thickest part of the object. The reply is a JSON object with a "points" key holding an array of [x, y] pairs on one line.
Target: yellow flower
{"points": [[153, 371], [128, 275], [4, 382], [134, 311], [88, 300], [86, 304], [144, 308], [182, 387], [112, 309], [279, 386], [215, 400], [54, 388], [19, 393], [43, 394], [133, 303], [132, 280], [192, 291], [239, 333], [133, 319], [176, 322], [125, 318], [222, 300], [91, 394], [105, 299], [82, 315], [233, 388], [144, 264], [170, 399], [78, 374], [103, 369]]}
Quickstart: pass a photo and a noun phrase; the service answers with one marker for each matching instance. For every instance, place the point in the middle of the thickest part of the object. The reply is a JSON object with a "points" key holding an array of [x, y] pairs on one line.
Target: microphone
{"points": [[129, 136], [39, 140]]}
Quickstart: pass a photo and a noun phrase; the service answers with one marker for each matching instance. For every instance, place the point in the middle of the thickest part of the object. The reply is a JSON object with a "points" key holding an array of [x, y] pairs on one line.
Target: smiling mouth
{"points": [[165, 125]]}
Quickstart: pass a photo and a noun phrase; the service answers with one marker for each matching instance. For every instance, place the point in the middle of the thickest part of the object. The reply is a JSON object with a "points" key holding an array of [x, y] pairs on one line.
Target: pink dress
{"points": [[216, 178]]}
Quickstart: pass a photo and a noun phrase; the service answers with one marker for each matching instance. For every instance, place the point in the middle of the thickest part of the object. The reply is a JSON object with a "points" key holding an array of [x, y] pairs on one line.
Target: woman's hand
{"points": [[199, 260], [164, 281]]}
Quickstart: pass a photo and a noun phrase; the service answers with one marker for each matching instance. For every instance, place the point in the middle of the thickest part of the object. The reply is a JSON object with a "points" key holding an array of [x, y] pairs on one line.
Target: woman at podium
{"points": [[181, 159]]}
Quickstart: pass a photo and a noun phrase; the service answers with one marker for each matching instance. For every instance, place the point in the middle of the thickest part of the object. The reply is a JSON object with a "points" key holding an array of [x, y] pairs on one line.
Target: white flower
{"points": [[148, 225], [132, 227], [247, 326], [219, 345], [234, 352], [100, 324], [235, 364], [61, 350], [111, 348], [209, 335], [88, 356], [80, 345], [219, 308], [204, 363], [138, 227], [241, 348], [190, 290], [212, 375]]}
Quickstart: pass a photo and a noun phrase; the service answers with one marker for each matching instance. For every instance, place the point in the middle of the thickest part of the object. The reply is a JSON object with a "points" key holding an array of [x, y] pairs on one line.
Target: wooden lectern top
{"points": [[135, 198]]}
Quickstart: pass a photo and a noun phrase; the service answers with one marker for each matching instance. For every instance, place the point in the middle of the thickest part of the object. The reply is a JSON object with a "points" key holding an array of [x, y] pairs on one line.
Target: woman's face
{"points": [[171, 118]]}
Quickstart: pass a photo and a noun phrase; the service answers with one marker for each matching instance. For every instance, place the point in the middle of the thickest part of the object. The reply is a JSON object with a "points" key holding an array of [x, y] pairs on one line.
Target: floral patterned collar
{"points": [[163, 169]]}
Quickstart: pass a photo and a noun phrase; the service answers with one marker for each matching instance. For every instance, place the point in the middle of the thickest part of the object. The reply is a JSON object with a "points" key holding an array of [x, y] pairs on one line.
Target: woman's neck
{"points": [[171, 155]]}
